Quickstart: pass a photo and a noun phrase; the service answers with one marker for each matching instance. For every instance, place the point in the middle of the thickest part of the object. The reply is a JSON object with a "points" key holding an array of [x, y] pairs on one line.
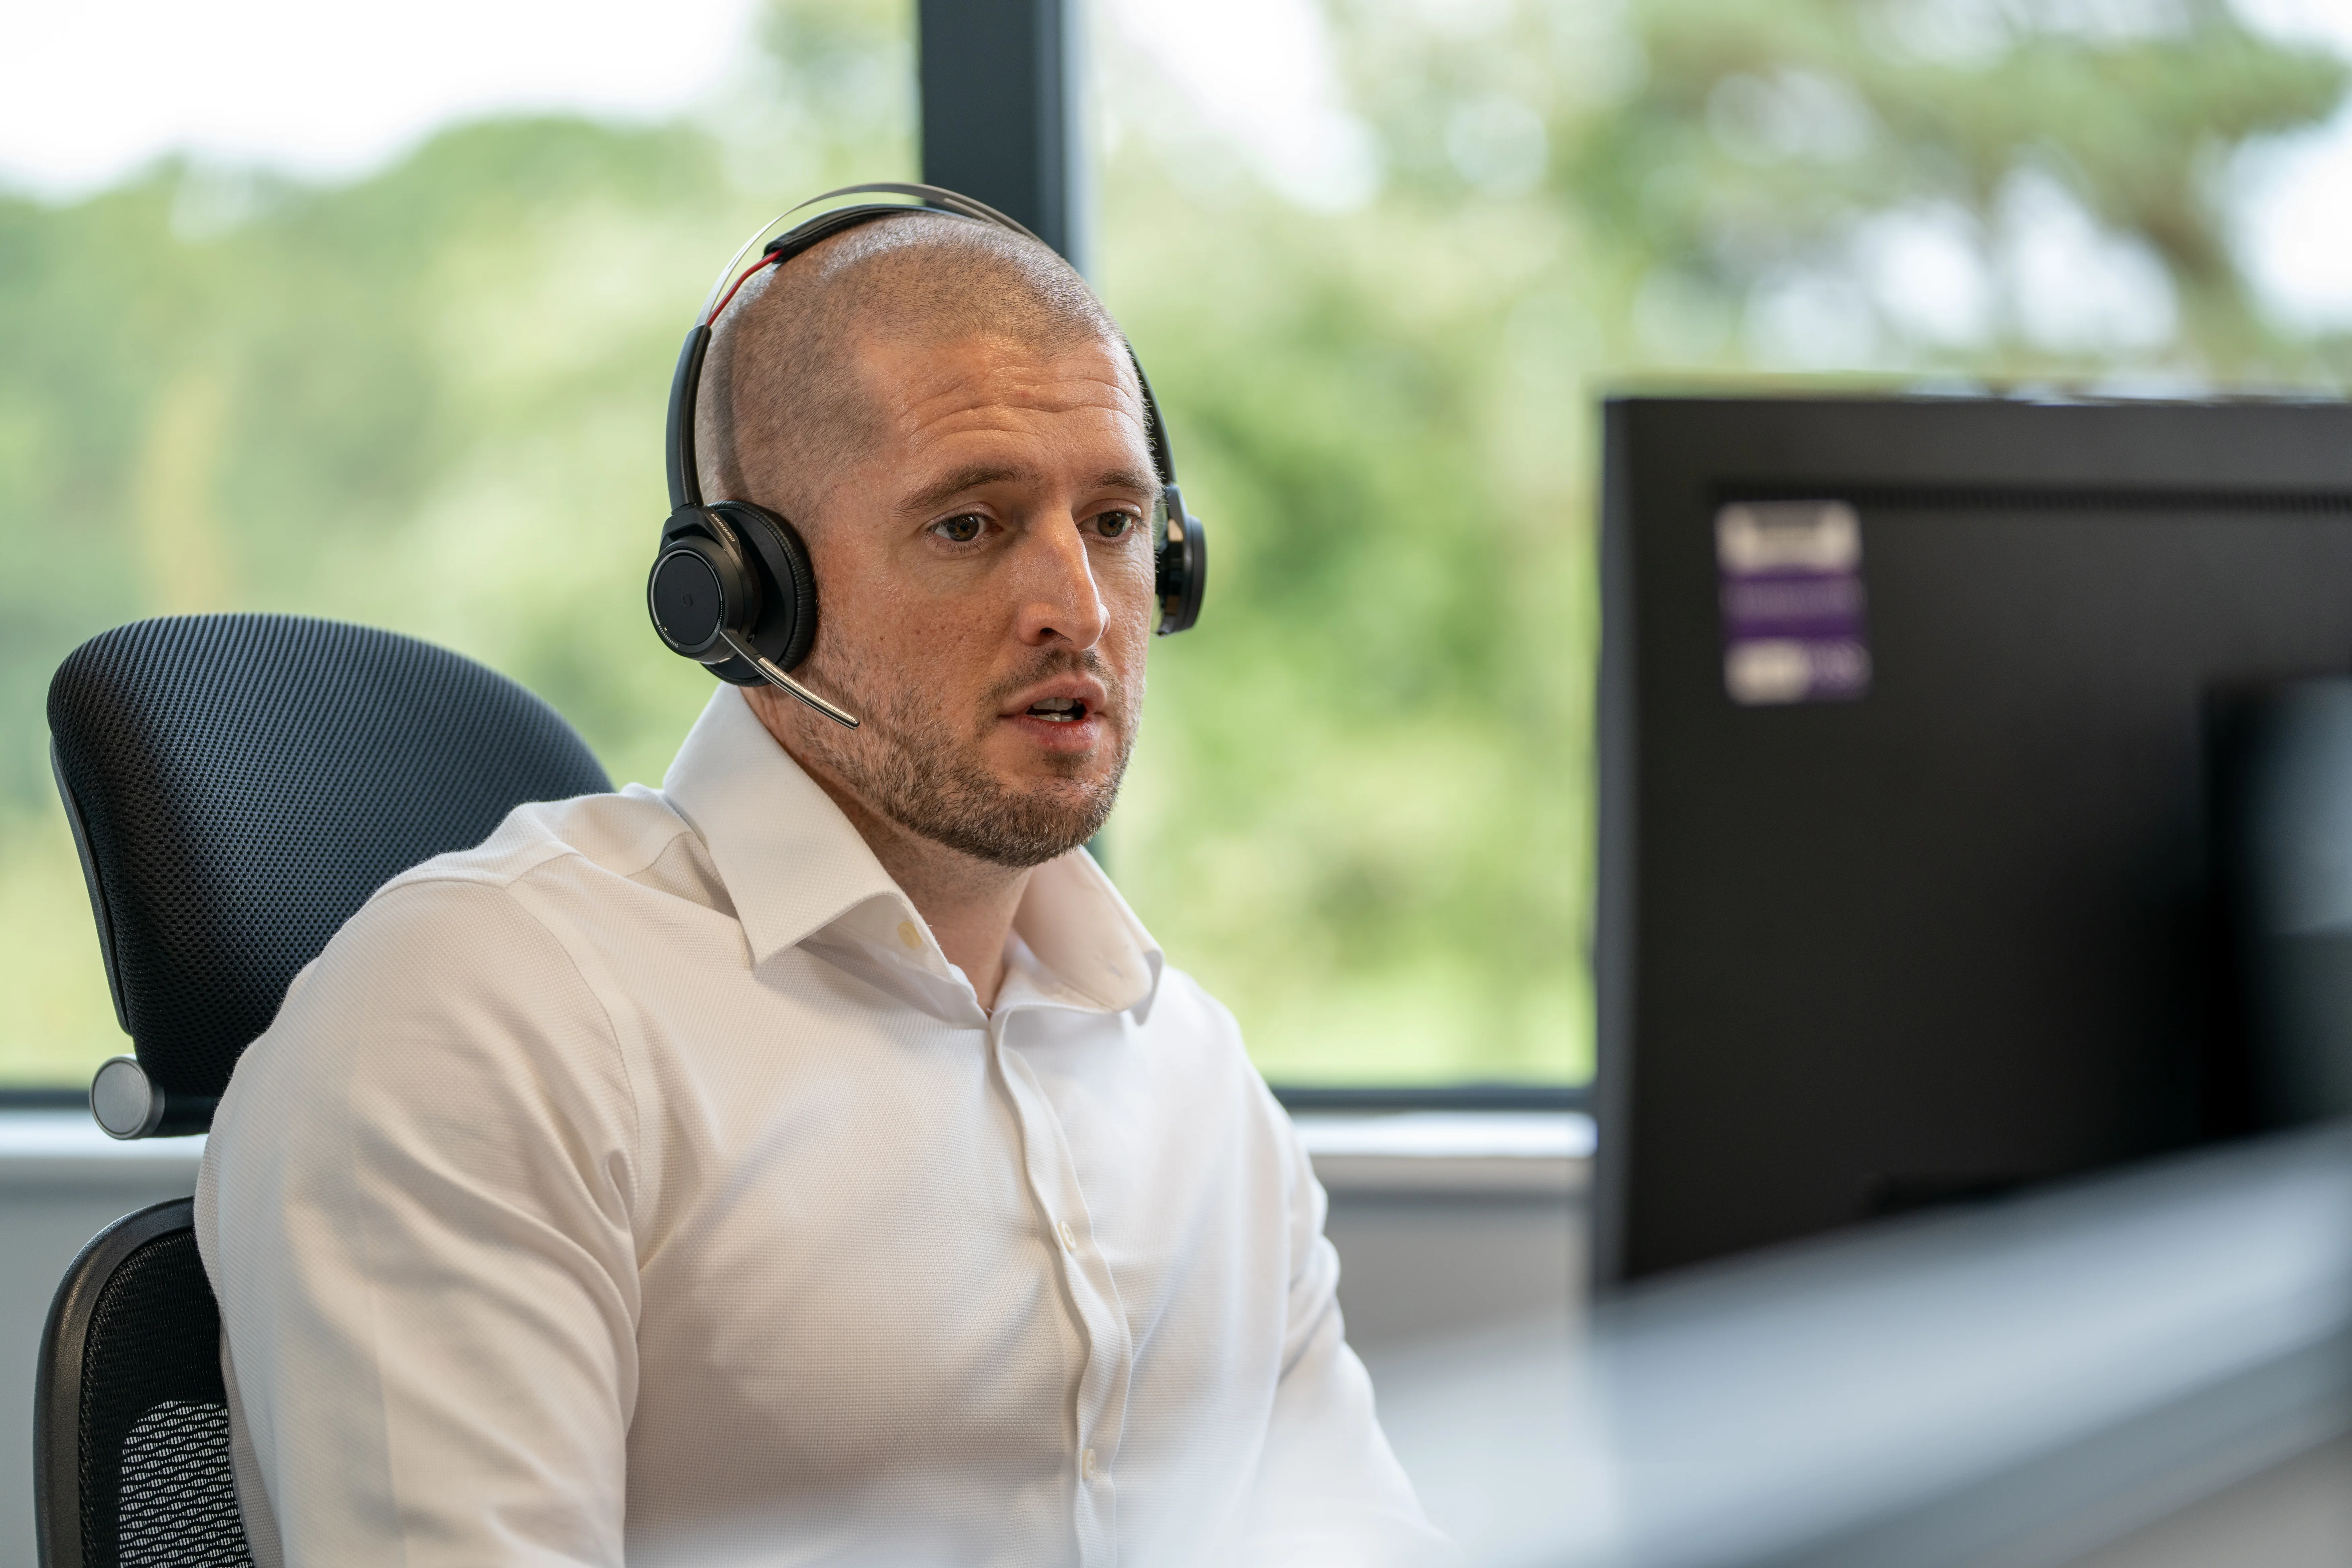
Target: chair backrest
{"points": [[239, 784], [130, 1444]]}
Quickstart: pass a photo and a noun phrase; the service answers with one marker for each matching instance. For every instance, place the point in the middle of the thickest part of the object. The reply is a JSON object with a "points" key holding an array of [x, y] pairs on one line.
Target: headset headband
{"points": [[685, 480], [932, 198]]}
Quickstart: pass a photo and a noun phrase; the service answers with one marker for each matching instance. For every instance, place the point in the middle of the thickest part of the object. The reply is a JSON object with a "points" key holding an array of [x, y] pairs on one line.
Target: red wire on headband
{"points": [[720, 310]]}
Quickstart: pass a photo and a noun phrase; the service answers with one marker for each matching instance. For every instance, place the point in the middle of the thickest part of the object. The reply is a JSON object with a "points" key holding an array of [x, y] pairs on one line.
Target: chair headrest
{"points": [[239, 784]]}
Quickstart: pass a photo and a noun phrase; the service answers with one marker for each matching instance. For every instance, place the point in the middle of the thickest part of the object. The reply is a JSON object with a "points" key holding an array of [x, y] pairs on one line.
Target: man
{"points": [[812, 1162]]}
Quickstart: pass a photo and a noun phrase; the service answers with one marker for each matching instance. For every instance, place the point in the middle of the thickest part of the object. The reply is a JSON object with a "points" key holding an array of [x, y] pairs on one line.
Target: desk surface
{"points": [[2013, 1384]]}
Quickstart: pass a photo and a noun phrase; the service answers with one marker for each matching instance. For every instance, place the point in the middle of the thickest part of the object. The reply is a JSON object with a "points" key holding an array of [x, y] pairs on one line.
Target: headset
{"points": [[731, 586]]}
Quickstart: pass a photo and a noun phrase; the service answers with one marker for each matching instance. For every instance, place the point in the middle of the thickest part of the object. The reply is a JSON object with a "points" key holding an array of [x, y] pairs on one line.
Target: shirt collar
{"points": [[795, 867], [1082, 934]]}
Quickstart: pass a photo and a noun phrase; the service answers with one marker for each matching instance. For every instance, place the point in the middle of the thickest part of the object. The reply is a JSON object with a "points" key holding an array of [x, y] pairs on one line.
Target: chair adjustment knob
{"points": [[128, 1104]]}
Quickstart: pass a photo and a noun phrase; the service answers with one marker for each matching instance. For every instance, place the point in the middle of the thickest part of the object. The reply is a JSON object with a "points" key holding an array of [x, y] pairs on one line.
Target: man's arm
{"points": [[415, 1210], [1329, 1489]]}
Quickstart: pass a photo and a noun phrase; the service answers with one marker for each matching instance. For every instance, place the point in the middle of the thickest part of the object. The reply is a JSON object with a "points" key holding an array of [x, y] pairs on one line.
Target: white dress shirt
{"points": [[645, 1185]]}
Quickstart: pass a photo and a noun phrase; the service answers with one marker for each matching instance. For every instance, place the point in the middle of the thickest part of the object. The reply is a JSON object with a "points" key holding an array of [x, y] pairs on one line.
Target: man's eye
{"points": [[960, 530], [1114, 524]]}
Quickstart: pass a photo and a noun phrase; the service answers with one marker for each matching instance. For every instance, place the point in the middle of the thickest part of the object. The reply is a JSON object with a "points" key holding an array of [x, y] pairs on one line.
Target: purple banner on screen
{"points": [[1790, 581]]}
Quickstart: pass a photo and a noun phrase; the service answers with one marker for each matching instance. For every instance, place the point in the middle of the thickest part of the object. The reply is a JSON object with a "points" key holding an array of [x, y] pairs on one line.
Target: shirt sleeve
{"points": [[1330, 1492], [414, 1208]]}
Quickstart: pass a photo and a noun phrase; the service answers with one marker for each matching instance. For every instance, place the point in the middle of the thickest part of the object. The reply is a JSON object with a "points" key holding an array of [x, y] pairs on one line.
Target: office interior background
{"points": [[368, 315], [371, 315]]}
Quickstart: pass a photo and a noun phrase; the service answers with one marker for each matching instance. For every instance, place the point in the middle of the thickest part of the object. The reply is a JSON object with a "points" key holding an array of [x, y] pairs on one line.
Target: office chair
{"points": [[237, 785]]}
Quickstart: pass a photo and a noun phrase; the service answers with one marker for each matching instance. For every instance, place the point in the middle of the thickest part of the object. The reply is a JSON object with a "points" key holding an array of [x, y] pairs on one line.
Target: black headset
{"points": [[731, 586]]}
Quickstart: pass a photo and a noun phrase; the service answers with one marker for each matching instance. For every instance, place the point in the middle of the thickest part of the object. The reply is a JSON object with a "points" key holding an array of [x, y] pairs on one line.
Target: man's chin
{"points": [[1016, 834], [995, 796], [1079, 800]]}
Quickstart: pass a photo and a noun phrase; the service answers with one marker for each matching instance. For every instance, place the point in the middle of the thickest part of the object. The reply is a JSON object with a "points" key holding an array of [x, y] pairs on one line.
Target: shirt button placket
{"points": [[1102, 1383]]}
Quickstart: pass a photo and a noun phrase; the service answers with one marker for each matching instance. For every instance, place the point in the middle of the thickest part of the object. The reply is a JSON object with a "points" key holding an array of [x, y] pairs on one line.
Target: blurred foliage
{"points": [[1711, 160], [431, 399]]}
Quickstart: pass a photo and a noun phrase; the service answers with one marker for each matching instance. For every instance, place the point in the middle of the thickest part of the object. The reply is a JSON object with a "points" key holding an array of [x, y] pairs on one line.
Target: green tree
{"points": [[1363, 810]]}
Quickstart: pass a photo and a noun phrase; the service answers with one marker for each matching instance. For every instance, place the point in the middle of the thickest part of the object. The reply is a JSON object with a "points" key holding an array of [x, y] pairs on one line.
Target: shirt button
{"points": [[1069, 1244], [909, 935], [1086, 1464]]}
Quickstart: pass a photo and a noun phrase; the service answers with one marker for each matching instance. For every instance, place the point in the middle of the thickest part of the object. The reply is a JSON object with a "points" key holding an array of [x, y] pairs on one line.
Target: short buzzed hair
{"points": [[783, 405]]}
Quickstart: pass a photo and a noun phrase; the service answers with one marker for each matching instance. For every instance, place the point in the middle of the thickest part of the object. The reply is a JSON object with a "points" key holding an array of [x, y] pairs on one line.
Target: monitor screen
{"points": [[1906, 866]]}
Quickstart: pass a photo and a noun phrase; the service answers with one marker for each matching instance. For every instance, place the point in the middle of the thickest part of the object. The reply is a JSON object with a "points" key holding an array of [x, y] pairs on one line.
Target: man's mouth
{"points": [[1058, 709]]}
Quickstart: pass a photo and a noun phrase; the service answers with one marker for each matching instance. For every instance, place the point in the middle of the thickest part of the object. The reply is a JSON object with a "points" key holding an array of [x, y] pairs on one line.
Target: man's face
{"points": [[986, 593]]}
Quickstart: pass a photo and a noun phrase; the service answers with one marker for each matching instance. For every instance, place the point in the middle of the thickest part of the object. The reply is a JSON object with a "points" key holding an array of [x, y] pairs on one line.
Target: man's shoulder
{"points": [[623, 835], [515, 905], [1184, 1005], [1199, 1039], [472, 961]]}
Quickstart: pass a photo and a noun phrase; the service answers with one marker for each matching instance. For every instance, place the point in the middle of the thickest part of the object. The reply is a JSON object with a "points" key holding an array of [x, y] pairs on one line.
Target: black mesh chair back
{"points": [[239, 785], [131, 1455]]}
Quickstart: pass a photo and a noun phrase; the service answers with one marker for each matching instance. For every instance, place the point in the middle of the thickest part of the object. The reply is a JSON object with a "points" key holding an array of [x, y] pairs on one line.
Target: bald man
{"points": [[813, 1160]]}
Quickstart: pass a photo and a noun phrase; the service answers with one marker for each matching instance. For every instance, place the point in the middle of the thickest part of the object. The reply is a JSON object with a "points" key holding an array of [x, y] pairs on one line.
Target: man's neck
{"points": [[969, 903]]}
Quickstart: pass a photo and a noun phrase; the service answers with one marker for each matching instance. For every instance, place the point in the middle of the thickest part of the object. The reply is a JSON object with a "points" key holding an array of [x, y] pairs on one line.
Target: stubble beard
{"points": [[909, 763]]}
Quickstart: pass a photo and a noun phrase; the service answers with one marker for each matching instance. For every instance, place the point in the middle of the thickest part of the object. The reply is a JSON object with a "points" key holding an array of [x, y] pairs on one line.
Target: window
{"points": [[1380, 257], [425, 393], [1383, 257]]}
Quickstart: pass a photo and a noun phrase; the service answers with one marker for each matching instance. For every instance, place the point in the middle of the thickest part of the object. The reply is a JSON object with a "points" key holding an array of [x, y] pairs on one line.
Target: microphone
{"points": [[775, 676]]}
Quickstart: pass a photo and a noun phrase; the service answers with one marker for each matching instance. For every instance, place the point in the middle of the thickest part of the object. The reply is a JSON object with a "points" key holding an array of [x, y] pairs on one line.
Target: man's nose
{"points": [[1060, 600]]}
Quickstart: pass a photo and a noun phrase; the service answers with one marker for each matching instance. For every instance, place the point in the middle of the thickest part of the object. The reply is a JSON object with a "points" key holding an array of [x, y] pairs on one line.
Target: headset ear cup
{"points": [[700, 585], [1180, 568], [786, 628]]}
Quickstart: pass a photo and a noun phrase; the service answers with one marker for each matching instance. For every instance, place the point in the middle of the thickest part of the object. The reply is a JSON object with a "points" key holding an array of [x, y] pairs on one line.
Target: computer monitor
{"points": [[1906, 880]]}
